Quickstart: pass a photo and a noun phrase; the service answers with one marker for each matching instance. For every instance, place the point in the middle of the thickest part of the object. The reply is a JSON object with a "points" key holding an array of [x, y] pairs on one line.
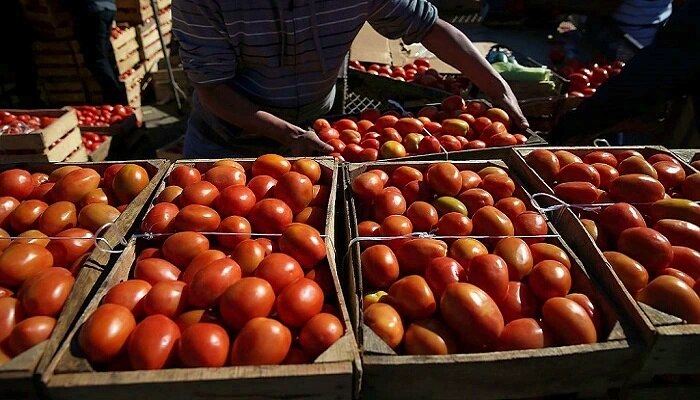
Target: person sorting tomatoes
{"points": [[261, 69]]}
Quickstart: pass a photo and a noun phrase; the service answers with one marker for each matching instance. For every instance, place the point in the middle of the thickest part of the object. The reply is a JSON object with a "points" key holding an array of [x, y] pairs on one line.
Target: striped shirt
{"points": [[641, 19]]}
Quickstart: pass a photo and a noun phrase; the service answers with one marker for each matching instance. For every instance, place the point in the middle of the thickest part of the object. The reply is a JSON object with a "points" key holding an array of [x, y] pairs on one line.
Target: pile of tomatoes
{"points": [[116, 31], [105, 115], [456, 125], [37, 271], [417, 72], [459, 294], [197, 299], [92, 140], [650, 234], [585, 81], [17, 124]]}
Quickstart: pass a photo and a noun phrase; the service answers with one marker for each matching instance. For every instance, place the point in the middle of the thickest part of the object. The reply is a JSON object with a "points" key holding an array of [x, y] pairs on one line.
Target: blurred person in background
{"points": [[93, 28]]}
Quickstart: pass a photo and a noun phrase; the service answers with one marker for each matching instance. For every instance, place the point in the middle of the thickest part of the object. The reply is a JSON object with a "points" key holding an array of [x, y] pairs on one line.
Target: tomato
{"points": [[565, 158], [444, 179], [429, 145], [545, 163], [423, 216], [547, 251], [591, 309], [295, 189], [167, 298], [26, 215], [679, 233], [417, 191], [105, 333], [636, 165], [199, 262], [180, 248], [321, 196], [235, 200], [183, 175], [271, 164], [261, 341], [681, 209], [673, 296], [465, 250], [60, 172], [568, 321], [196, 217], [20, 262], [203, 345], [647, 246], [279, 270], [248, 254], [328, 134], [686, 260], [7, 207], [577, 192], [304, 244], [129, 294], [489, 221], [404, 174], [94, 216], [392, 148], [691, 187], [202, 193], [490, 273], [519, 302], [154, 270], [159, 218], [531, 223], [636, 188], [223, 176], [606, 173], [511, 207], [670, 174], [447, 204], [170, 194], [470, 180], [429, 337], [616, 218], [189, 318], [16, 183], [471, 313], [129, 182], [312, 216], [238, 227], [319, 333], [385, 322], [246, 299], [549, 279], [38, 178], [11, 313], [29, 332], [388, 201], [475, 199], [45, 293], [522, 334], [153, 343], [602, 157], [380, 267], [499, 186], [211, 282], [270, 216], [75, 185], [412, 297], [262, 186], [453, 224], [299, 301], [415, 255], [579, 172], [517, 256], [58, 217]]}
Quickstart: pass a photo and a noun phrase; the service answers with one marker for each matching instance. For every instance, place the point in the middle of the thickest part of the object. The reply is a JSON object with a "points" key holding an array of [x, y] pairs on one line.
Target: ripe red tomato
{"points": [[304, 244], [367, 185], [11, 313], [20, 262], [389, 201], [444, 178], [129, 182], [385, 322], [26, 215], [246, 299], [180, 248], [475, 199], [196, 217], [7, 206], [152, 344], [211, 282], [198, 263], [105, 333], [319, 333], [673, 296], [423, 216], [429, 337], [236, 200], [270, 216], [165, 298], [522, 334], [129, 294], [454, 224], [159, 218], [545, 163], [261, 341], [295, 189], [568, 322], [549, 279], [170, 194], [16, 183], [234, 224], [380, 267], [203, 193], [646, 246], [94, 216], [271, 164], [45, 293], [223, 176], [490, 273], [299, 301], [280, 270], [471, 313], [262, 186], [248, 254], [183, 175], [29, 332], [203, 345], [412, 297]]}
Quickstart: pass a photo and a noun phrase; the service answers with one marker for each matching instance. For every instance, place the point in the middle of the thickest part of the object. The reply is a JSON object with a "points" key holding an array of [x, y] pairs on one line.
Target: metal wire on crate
{"points": [[356, 103]]}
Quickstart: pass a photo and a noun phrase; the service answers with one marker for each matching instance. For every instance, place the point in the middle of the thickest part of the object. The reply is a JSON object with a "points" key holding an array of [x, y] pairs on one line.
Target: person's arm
{"points": [[453, 47], [230, 106]]}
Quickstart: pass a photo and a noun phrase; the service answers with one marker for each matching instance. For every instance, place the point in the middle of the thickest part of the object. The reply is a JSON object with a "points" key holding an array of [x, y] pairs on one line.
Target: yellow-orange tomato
{"points": [[94, 216], [271, 164], [429, 337], [129, 182], [385, 322], [471, 313]]}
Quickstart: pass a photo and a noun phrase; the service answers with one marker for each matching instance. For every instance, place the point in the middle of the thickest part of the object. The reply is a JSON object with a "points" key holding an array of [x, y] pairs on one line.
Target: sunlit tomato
{"points": [[196, 217], [154, 270], [600, 157], [423, 216], [380, 267], [246, 299], [465, 250], [261, 341], [38, 178], [184, 175], [29, 332], [471, 313], [76, 184], [228, 163], [262, 186], [270, 216], [319, 333], [415, 255], [545, 163], [129, 294], [67, 251], [499, 186], [170, 194], [7, 206], [389, 201], [308, 167], [404, 174], [579, 172], [235, 200], [304, 244], [385, 322], [22, 261], [271, 164], [453, 224], [475, 199], [531, 223], [11, 313], [624, 154], [686, 260], [31, 236], [412, 297], [129, 182], [180, 248], [26, 215], [46, 292], [519, 302], [16, 183], [511, 207], [489, 221], [299, 301], [490, 273], [517, 256], [669, 173], [105, 333], [673, 296], [568, 321], [444, 178], [321, 124], [566, 157], [279, 270], [192, 317], [203, 345], [679, 233], [236, 229], [209, 284], [248, 254], [159, 218], [636, 165], [60, 172], [547, 251], [429, 337], [42, 192], [392, 149], [593, 312], [549, 279], [203, 193], [167, 298], [295, 189], [577, 192], [617, 217], [636, 188], [94, 216], [647, 246], [201, 261], [224, 176], [522, 334], [153, 343], [57, 217]]}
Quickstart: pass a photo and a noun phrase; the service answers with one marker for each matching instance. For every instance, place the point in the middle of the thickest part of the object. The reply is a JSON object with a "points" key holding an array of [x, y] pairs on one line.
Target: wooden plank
{"points": [[493, 375], [129, 62], [128, 35], [101, 152], [39, 140]]}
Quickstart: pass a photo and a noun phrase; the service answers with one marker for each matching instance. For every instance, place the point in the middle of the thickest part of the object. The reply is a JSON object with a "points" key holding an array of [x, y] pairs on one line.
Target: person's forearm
{"points": [[454, 48], [225, 103]]}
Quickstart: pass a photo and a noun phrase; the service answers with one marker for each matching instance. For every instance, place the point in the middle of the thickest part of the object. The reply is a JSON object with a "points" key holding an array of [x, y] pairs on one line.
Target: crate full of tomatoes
{"points": [[636, 210], [50, 215], [40, 136], [231, 290], [107, 119], [453, 127], [96, 145], [457, 279]]}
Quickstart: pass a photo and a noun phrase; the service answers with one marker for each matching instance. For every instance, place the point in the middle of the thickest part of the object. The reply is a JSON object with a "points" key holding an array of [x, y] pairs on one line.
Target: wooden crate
{"points": [[147, 35], [19, 377], [687, 155], [61, 150], [495, 375], [69, 376], [668, 338], [101, 153], [127, 55]]}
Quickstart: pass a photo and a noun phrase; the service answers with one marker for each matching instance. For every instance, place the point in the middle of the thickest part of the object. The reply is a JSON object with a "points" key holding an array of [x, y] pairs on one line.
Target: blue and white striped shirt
{"points": [[641, 19]]}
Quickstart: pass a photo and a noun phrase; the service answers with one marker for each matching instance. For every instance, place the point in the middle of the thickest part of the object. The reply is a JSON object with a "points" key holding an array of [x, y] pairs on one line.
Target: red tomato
{"points": [[490, 273], [11, 313], [105, 333], [165, 298], [271, 164], [211, 282], [646, 246], [45, 293], [295, 189], [385, 322], [196, 217], [246, 299], [30, 332], [270, 216], [380, 267], [545, 163], [183, 175], [299, 301], [180, 248], [280, 270], [444, 178], [236, 200], [223, 176], [673, 296], [319, 333], [170, 194], [203, 345], [453, 224], [75, 185], [129, 294], [152, 344], [472, 314], [388, 202], [16, 183], [20, 262], [248, 254], [203, 193], [261, 341], [549, 279], [304, 244], [159, 218], [412, 297], [26, 215], [238, 227], [568, 322], [474, 199], [198, 263]]}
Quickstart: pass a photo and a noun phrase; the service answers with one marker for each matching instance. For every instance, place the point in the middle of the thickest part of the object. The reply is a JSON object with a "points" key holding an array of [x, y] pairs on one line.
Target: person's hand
{"points": [[307, 143], [509, 104]]}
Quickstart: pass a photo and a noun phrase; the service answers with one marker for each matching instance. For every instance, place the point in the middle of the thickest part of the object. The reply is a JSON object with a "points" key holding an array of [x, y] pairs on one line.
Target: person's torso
{"points": [[643, 12]]}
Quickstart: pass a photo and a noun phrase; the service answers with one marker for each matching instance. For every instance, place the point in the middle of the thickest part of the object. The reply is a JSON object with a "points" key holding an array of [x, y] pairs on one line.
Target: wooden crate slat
{"points": [[66, 121]]}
